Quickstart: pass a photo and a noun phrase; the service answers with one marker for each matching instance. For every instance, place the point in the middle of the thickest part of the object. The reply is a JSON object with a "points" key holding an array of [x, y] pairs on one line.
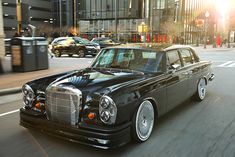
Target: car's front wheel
{"points": [[201, 90], [143, 121], [81, 53], [57, 53]]}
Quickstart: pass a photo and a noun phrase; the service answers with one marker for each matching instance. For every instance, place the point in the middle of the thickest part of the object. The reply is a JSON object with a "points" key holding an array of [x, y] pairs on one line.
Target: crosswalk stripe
{"points": [[7, 113], [225, 64], [231, 65]]}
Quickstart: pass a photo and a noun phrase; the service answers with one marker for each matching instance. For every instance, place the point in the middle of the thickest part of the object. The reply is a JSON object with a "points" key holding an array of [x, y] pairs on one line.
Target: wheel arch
{"points": [[205, 79]]}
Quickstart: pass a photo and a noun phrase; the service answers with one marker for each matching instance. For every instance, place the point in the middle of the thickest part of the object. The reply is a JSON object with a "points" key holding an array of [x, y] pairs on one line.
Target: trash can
{"points": [[7, 46], [41, 51], [23, 54]]}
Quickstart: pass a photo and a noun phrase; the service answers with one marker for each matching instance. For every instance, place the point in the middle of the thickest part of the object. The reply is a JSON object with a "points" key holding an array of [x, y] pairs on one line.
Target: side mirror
{"points": [[173, 68]]}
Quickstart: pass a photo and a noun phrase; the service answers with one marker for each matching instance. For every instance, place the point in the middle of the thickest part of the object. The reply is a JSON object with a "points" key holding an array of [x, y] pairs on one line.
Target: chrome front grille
{"points": [[63, 104]]}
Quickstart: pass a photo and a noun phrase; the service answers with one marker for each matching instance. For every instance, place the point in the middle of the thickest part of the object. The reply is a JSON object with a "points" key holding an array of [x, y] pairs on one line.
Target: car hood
{"points": [[91, 44], [92, 80]]}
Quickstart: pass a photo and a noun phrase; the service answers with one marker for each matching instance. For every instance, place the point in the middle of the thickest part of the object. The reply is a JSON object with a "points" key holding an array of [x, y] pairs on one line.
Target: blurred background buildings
{"points": [[177, 21]]}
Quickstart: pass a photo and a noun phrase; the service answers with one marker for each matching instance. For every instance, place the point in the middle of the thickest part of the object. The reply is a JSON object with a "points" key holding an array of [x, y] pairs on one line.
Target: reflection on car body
{"points": [[118, 97]]}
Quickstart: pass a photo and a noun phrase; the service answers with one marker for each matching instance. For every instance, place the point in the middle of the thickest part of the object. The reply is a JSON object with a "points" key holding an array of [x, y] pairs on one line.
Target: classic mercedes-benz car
{"points": [[118, 98]]}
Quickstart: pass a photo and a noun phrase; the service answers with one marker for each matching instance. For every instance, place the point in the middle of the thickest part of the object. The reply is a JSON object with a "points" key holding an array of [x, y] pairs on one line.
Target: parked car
{"points": [[92, 48], [117, 98], [68, 46], [74, 45], [105, 42]]}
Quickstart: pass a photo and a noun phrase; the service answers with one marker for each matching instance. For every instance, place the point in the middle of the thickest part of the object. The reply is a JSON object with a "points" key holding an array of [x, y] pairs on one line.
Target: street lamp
{"points": [[229, 32], [207, 14], [19, 16], [60, 15]]}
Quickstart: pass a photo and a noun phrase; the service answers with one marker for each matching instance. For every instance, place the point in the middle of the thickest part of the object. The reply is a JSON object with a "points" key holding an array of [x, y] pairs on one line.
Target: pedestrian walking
{"points": [[50, 53]]}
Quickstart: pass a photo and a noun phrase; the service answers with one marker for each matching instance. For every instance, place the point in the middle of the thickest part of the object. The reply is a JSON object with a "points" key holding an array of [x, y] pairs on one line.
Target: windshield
{"points": [[82, 40], [133, 59]]}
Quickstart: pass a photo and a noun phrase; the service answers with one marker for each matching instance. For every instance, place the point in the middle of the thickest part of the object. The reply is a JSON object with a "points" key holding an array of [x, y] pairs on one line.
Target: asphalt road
{"points": [[194, 129]]}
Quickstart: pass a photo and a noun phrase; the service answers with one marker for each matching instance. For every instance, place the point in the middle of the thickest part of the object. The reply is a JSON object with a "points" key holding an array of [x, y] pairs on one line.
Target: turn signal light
{"points": [[38, 105], [91, 115]]}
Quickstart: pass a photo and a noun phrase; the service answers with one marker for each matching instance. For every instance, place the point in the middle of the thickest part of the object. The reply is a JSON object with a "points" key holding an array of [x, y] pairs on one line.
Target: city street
{"points": [[194, 129]]}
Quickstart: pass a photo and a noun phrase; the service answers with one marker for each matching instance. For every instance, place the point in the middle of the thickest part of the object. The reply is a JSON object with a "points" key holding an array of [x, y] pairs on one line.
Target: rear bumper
{"points": [[97, 137]]}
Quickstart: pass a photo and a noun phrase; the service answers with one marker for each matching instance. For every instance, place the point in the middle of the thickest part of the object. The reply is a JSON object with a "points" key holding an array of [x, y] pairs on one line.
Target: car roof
{"points": [[172, 47], [151, 46], [102, 38], [59, 38]]}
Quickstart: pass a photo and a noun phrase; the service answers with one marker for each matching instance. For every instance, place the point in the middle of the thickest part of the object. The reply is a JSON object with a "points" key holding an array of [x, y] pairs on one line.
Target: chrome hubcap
{"points": [[57, 53], [202, 88], [81, 53], [144, 120]]}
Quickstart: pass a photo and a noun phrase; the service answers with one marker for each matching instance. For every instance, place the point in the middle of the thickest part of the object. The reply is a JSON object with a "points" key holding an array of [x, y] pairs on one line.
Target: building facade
{"points": [[163, 20], [64, 15], [38, 13], [2, 48]]}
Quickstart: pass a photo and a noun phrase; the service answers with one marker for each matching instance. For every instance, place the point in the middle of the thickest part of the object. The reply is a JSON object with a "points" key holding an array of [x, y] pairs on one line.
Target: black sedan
{"points": [[117, 98]]}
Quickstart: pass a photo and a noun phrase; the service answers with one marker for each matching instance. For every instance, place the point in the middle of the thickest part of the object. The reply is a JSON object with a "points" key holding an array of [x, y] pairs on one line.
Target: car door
{"points": [[190, 64], [177, 80]]}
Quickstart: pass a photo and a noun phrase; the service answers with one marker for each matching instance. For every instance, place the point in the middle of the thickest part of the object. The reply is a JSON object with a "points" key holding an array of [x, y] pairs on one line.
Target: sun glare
{"points": [[222, 6]]}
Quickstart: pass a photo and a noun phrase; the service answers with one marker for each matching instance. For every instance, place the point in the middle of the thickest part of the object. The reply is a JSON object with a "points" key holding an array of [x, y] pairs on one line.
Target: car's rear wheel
{"points": [[57, 53], [143, 121], [81, 53], [201, 90]]}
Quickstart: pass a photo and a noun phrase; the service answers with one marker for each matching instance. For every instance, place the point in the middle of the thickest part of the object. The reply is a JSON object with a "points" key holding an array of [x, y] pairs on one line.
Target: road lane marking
{"points": [[7, 113], [231, 65], [226, 64]]}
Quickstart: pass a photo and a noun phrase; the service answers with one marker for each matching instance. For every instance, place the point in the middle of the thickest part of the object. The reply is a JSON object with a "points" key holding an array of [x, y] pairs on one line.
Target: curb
{"points": [[10, 91]]}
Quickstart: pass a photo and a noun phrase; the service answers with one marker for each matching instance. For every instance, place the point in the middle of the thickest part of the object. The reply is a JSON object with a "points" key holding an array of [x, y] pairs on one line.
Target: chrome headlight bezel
{"points": [[107, 110], [28, 95]]}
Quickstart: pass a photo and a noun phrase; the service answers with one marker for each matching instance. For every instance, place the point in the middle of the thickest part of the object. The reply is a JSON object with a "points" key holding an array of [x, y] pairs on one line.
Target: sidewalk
{"points": [[11, 82], [211, 48]]}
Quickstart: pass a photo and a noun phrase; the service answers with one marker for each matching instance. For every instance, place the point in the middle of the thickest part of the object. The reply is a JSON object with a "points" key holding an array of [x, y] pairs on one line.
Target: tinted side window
{"points": [[173, 59], [186, 57]]}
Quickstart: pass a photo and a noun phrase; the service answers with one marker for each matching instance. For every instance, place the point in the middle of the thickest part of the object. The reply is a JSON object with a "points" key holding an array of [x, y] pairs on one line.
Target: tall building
{"points": [[37, 12], [134, 18], [153, 20], [63, 14], [194, 22]]}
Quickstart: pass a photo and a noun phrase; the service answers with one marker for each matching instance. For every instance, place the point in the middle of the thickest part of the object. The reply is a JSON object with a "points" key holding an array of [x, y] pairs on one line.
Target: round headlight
{"points": [[28, 95], [107, 110], [26, 89], [105, 116], [104, 102]]}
